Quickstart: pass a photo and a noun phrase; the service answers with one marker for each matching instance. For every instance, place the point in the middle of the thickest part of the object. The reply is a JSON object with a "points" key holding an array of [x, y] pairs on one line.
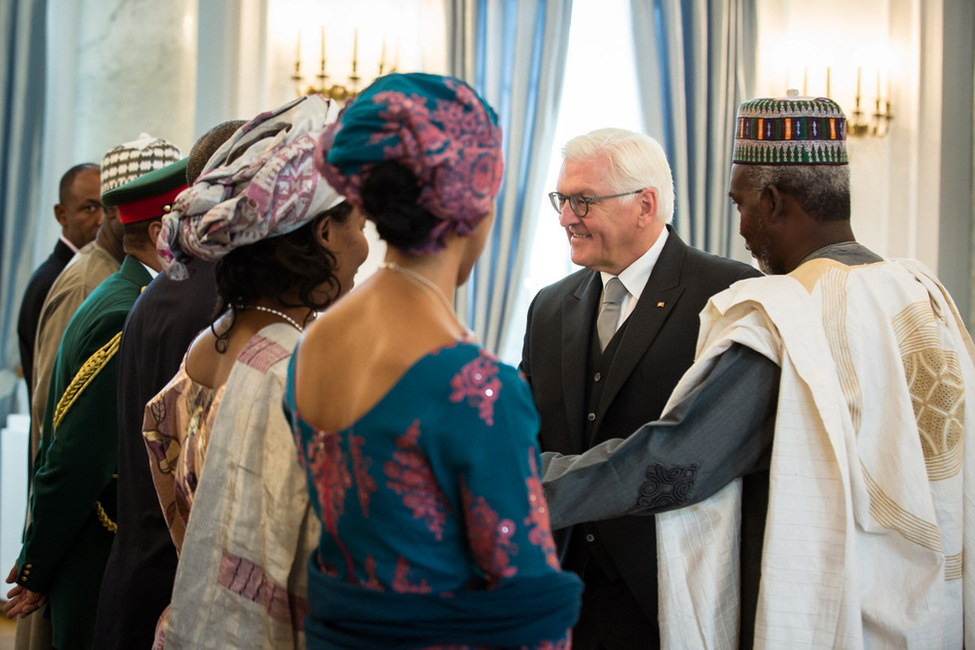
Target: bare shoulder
{"points": [[358, 349]]}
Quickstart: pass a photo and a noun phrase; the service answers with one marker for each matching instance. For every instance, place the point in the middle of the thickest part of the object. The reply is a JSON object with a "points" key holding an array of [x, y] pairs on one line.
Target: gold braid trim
{"points": [[88, 371], [110, 525]]}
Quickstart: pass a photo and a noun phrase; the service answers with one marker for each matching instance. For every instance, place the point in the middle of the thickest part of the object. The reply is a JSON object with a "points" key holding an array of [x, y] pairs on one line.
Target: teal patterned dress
{"points": [[435, 530]]}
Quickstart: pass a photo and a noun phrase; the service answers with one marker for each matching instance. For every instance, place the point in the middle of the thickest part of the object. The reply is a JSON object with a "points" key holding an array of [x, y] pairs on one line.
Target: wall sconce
{"points": [[336, 91], [878, 124], [859, 122]]}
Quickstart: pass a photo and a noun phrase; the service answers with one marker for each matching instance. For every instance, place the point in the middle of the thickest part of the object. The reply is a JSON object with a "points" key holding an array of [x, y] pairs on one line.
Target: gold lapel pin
{"points": [[660, 304]]}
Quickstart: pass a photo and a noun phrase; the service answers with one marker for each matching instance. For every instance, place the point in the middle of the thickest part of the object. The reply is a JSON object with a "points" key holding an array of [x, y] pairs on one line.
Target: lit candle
{"points": [[805, 82], [828, 94], [878, 85], [323, 49], [355, 44], [382, 56], [298, 53], [858, 83]]}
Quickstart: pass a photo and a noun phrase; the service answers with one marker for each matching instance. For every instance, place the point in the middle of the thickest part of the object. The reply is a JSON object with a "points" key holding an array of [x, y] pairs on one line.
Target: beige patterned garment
{"points": [[868, 523], [176, 429], [242, 579]]}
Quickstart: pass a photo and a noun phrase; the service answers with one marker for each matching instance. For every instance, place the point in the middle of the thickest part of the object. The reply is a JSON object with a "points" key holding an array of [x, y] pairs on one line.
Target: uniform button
{"points": [[591, 417], [26, 572], [590, 537], [23, 579], [28, 566], [597, 376]]}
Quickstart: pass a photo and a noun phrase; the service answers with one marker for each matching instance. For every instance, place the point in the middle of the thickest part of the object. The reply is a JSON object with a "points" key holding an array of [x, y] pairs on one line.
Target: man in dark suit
{"points": [[601, 362], [79, 211], [138, 580]]}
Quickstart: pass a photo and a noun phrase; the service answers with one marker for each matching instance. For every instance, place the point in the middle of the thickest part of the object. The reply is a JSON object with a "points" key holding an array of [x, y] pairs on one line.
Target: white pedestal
{"points": [[14, 441]]}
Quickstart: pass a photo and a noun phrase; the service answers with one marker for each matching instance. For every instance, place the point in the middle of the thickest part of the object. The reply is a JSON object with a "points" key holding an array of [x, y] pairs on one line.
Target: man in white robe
{"points": [[811, 464]]}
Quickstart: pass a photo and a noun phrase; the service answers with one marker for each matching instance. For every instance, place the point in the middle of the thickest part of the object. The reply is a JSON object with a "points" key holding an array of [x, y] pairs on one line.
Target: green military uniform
{"points": [[73, 503]]}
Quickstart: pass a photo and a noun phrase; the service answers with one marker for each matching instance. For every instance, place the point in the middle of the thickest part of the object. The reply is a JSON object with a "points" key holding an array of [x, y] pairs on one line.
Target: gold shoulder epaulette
{"points": [[88, 371]]}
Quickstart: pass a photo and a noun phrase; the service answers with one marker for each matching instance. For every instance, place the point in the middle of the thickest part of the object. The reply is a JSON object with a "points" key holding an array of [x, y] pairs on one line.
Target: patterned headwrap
{"points": [[790, 131], [435, 126], [260, 183]]}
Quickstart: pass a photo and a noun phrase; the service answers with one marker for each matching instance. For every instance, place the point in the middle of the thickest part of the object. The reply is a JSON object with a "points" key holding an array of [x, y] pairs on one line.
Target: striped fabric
{"points": [[790, 131]]}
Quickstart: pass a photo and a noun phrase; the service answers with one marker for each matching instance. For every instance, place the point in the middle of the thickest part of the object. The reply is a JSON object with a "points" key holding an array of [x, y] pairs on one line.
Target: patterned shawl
{"points": [[261, 183]]}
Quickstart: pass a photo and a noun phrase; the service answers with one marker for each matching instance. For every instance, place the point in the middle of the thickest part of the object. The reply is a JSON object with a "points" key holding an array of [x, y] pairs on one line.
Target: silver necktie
{"points": [[609, 311]]}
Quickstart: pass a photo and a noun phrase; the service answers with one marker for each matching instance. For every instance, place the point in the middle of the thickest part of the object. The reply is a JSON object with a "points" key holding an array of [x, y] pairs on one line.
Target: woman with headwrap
{"points": [[286, 245], [419, 446]]}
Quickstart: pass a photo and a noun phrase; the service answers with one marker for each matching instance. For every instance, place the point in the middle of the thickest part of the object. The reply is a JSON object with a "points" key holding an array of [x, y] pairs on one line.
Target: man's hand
{"points": [[21, 601]]}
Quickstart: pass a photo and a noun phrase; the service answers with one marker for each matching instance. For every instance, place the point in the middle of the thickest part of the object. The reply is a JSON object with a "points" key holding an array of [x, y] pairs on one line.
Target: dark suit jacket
{"points": [[30, 308], [655, 349], [138, 580]]}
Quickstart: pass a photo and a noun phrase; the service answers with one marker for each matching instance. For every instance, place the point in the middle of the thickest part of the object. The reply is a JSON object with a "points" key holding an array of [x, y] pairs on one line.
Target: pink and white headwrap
{"points": [[260, 183], [437, 127]]}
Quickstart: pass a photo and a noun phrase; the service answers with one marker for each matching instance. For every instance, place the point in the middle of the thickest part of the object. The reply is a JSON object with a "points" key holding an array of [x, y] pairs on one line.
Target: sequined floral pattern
{"points": [[365, 484], [327, 464], [539, 527], [401, 580], [490, 538], [478, 383], [457, 509], [410, 476]]}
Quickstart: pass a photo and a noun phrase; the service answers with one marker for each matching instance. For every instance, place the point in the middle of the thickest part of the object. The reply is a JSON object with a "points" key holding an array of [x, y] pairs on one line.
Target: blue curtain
{"points": [[513, 52], [695, 60], [22, 76]]}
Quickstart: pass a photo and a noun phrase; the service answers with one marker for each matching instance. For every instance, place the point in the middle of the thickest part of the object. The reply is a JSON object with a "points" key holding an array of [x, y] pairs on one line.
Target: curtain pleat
{"points": [[22, 76], [513, 52], [695, 60]]}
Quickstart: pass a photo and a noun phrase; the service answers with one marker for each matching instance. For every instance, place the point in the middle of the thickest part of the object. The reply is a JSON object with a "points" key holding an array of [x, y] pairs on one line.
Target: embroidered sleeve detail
{"points": [[489, 538], [365, 484], [478, 383], [401, 582], [667, 486], [539, 527], [86, 374], [410, 476], [249, 580]]}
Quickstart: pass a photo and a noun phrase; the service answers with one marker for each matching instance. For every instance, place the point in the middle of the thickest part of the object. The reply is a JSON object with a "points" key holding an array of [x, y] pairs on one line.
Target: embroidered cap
{"points": [[150, 195], [128, 161], [790, 130]]}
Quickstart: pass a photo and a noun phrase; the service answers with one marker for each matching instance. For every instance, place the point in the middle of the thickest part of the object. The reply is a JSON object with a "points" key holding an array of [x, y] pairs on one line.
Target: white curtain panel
{"points": [[514, 54], [695, 60], [22, 74]]}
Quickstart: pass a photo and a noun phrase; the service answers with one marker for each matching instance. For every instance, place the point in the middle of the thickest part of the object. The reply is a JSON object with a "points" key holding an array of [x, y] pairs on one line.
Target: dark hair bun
{"points": [[389, 196]]}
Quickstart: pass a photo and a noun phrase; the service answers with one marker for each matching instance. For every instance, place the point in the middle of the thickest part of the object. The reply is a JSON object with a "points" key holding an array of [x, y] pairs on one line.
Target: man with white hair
{"points": [[605, 346], [822, 437]]}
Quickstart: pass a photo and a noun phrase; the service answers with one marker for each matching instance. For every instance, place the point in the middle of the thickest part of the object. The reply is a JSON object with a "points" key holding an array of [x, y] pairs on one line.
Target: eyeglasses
{"points": [[579, 203]]}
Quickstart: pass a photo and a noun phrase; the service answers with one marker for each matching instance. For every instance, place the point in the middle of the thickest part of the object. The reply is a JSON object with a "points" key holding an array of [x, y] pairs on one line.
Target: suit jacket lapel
{"points": [[578, 315], [659, 296]]}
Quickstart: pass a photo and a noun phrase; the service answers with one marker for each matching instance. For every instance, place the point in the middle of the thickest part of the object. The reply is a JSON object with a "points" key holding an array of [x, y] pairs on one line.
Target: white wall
{"points": [[911, 190], [116, 68]]}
